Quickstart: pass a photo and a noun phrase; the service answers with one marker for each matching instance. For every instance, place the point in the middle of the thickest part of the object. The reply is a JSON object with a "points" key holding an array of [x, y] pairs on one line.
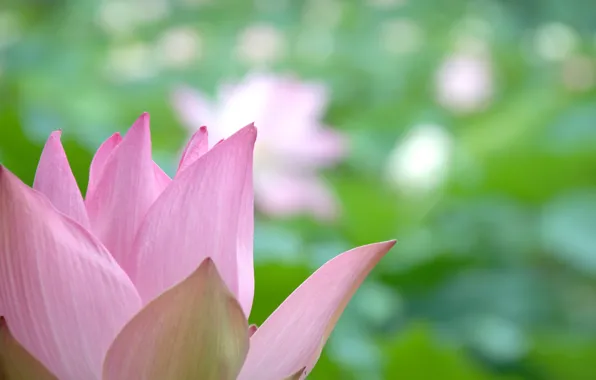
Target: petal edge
{"points": [[289, 340], [195, 330]]}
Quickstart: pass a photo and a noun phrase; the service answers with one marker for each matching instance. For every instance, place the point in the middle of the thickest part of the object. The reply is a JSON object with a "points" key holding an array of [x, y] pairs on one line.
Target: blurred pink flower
{"points": [[464, 82], [292, 142], [150, 277]]}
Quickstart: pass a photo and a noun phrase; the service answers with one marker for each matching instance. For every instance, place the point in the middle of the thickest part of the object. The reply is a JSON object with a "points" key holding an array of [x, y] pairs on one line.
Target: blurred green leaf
{"points": [[417, 355]]}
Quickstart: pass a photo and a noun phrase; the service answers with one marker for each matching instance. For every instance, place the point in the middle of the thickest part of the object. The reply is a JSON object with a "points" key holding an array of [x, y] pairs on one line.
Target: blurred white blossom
{"points": [[322, 14], [555, 41], [261, 44], [122, 17], [420, 161], [401, 36], [131, 62], [179, 47]]}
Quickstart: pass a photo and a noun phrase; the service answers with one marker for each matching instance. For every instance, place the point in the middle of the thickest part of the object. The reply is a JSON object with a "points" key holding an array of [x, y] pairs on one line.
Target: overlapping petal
{"points": [[100, 159], [195, 330], [61, 292], [293, 336], [127, 186], [204, 213], [55, 180], [15, 362], [244, 243], [300, 374], [196, 147]]}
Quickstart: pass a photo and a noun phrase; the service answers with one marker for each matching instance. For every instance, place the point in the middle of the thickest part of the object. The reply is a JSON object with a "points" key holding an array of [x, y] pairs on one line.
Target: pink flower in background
{"points": [[150, 277], [292, 143], [464, 82]]}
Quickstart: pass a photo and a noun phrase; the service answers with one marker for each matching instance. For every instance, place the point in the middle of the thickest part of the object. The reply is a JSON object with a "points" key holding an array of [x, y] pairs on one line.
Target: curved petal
{"points": [[300, 374], [99, 160], [294, 335], [195, 330], [245, 240], [15, 362], [196, 217], [62, 294], [162, 179], [196, 147], [128, 186], [55, 180]]}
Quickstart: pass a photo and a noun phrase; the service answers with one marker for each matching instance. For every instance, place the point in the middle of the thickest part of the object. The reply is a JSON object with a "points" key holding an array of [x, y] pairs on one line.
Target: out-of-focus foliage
{"points": [[494, 276]]}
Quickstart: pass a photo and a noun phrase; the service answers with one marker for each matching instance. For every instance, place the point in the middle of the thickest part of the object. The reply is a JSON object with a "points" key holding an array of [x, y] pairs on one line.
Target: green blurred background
{"points": [[494, 275]]}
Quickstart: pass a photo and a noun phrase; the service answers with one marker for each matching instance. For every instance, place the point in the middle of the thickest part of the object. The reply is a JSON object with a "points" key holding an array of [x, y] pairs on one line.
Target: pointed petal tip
{"points": [[203, 129], [113, 140], [249, 130], [320, 308], [219, 341], [209, 269], [382, 248], [54, 143], [56, 134], [208, 264], [386, 245], [142, 122]]}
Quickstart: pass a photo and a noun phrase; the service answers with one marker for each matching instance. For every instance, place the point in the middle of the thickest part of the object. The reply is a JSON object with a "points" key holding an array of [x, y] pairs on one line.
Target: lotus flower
{"points": [[292, 143], [150, 277]]}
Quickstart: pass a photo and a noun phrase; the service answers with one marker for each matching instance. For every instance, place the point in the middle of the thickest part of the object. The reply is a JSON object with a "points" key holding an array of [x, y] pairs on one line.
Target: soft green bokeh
{"points": [[494, 276]]}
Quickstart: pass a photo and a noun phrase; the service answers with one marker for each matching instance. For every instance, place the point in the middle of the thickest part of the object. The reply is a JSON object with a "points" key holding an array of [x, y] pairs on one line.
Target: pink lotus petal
{"points": [[292, 139], [293, 336], [101, 157], [62, 294], [162, 179], [15, 362], [203, 213], [99, 160], [281, 194], [320, 148], [300, 374], [55, 180], [245, 240], [196, 147], [195, 330], [128, 186], [252, 329]]}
